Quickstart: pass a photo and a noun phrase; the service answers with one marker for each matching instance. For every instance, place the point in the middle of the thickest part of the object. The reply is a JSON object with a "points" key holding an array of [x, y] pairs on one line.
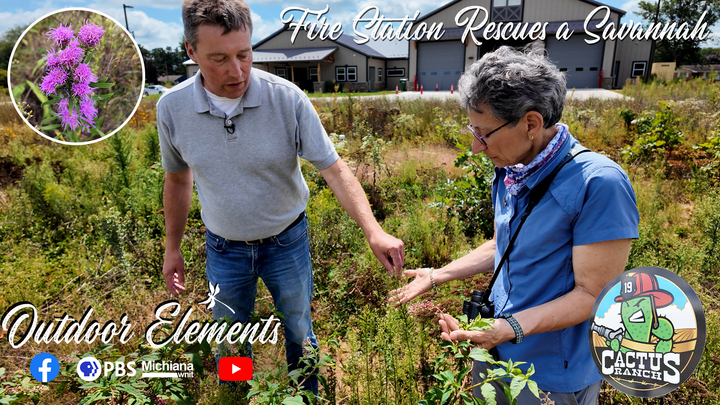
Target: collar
{"points": [[553, 162], [252, 97]]}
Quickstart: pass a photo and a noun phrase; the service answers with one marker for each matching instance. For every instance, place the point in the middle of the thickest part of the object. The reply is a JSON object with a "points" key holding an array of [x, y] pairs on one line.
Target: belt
{"points": [[271, 238]]}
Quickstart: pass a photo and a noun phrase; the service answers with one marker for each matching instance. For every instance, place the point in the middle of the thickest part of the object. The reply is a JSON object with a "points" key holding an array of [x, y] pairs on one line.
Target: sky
{"points": [[158, 23]]}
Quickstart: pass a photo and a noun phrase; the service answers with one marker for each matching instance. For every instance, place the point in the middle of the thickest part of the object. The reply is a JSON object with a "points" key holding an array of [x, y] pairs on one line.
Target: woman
{"points": [[575, 241]]}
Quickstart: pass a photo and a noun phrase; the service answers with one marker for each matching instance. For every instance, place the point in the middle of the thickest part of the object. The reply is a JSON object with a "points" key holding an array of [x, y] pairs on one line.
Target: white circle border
{"points": [[89, 359], [142, 66]]}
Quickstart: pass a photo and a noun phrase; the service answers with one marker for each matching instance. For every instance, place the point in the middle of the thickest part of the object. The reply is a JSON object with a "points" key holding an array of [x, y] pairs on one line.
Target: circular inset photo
{"points": [[76, 76]]}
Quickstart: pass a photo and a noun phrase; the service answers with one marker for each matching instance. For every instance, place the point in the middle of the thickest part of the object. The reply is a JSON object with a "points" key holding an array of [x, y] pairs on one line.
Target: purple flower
{"points": [[61, 35], [83, 73], [69, 119], [71, 56], [63, 105], [52, 59], [82, 90], [88, 110], [54, 78], [90, 34]]}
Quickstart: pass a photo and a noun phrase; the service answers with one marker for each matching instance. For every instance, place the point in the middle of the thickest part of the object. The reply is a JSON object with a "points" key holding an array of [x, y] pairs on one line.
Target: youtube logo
{"points": [[235, 368]]}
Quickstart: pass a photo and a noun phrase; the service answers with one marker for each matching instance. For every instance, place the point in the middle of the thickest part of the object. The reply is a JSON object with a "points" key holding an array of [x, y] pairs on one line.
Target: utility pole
{"points": [[652, 45], [126, 23]]}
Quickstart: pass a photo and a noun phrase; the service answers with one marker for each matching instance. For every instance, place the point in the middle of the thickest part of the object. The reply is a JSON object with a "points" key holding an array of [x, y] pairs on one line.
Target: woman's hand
{"points": [[485, 339], [420, 285]]}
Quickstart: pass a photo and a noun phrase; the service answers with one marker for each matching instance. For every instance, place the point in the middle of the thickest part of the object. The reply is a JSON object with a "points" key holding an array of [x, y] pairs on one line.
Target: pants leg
{"points": [[230, 267], [286, 269]]}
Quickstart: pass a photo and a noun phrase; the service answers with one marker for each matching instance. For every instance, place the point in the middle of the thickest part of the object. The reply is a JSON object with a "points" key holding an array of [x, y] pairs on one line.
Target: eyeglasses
{"points": [[482, 138]]}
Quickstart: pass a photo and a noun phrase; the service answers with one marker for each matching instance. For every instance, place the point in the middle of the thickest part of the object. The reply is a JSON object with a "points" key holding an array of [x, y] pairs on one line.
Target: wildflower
{"points": [[52, 58], [83, 73], [82, 90], [71, 56], [69, 119], [88, 110], [63, 105], [54, 78], [61, 35], [424, 307], [90, 34]]}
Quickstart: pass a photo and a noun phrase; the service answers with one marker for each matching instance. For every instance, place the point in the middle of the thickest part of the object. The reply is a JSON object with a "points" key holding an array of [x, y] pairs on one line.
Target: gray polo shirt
{"points": [[249, 182]]}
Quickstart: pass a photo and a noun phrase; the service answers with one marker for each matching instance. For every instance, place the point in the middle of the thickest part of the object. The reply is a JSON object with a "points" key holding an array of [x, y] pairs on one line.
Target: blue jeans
{"points": [[283, 263]]}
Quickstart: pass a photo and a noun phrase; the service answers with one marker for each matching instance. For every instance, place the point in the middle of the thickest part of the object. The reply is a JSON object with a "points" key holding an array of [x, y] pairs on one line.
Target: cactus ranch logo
{"points": [[648, 332]]}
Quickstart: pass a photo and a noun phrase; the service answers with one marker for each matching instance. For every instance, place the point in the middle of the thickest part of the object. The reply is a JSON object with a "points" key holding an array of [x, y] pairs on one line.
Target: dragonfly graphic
{"points": [[211, 300]]}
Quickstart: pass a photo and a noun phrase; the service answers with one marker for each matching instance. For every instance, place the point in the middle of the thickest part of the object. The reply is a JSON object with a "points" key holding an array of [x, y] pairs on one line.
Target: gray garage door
{"points": [[441, 63], [580, 62]]}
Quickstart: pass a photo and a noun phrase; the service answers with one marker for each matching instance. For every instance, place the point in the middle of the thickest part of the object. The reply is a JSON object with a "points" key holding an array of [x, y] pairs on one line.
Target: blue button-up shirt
{"points": [[591, 200]]}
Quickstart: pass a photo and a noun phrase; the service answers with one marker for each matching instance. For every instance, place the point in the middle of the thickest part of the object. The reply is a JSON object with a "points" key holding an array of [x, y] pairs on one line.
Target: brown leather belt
{"points": [[271, 238]]}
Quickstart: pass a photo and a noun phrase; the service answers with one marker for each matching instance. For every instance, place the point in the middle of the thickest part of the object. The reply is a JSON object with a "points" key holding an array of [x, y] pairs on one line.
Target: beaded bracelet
{"points": [[519, 335]]}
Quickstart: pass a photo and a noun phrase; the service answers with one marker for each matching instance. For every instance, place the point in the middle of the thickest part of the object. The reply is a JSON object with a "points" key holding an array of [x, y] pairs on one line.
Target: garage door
{"points": [[441, 63], [580, 62]]}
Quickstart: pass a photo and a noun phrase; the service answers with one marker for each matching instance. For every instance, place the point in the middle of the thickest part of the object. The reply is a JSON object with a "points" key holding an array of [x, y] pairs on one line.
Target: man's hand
{"points": [[174, 272], [390, 251]]}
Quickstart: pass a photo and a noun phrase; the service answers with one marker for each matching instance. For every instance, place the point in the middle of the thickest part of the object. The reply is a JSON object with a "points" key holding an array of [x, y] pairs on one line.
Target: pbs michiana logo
{"points": [[648, 332]]}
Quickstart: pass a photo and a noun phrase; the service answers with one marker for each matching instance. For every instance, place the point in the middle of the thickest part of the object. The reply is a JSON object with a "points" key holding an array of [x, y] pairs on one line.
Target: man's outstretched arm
{"points": [[388, 249], [176, 201]]}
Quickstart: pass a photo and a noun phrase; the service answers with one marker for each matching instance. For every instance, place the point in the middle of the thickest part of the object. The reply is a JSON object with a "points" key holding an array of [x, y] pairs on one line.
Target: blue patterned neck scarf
{"points": [[517, 175]]}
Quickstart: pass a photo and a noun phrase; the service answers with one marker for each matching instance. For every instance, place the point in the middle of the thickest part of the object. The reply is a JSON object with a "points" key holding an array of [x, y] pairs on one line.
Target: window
{"points": [[313, 74], [507, 10], [281, 72], [638, 69], [351, 74], [396, 72], [339, 74], [379, 74]]}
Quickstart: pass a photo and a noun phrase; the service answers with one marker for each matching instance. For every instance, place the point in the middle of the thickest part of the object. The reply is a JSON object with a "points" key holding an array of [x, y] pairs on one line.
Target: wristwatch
{"points": [[516, 327]]}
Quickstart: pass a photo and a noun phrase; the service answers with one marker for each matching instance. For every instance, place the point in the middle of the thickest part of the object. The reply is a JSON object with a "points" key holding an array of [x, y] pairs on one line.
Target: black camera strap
{"points": [[536, 194]]}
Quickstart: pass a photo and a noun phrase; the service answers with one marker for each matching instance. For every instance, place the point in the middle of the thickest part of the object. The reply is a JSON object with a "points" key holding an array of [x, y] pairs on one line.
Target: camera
{"points": [[476, 306]]}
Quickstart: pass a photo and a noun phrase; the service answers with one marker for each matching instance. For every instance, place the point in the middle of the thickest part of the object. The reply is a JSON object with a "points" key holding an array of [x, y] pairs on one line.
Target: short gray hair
{"points": [[512, 83], [228, 14]]}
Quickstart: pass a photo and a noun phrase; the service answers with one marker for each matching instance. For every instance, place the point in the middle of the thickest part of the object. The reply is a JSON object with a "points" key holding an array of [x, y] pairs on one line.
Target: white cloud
{"points": [[10, 20], [612, 317], [680, 318], [263, 28], [149, 32]]}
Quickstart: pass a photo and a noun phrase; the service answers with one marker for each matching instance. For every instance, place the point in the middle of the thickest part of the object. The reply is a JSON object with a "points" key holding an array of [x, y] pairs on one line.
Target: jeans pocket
{"points": [[288, 239], [214, 242]]}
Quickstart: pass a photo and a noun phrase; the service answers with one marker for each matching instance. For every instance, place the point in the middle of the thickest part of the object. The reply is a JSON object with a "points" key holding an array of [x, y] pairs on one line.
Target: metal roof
{"points": [[292, 54]]}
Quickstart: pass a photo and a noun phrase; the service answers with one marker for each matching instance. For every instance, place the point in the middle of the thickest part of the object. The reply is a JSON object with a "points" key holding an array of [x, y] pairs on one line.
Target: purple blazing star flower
{"points": [[63, 105], [52, 59], [82, 90], [69, 119], [88, 110], [90, 34], [61, 35], [54, 78], [83, 73], [71, 56]]}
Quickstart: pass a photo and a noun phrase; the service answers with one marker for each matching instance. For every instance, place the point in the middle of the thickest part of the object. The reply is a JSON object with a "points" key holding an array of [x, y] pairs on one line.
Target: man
{"points": [[237, 132]]}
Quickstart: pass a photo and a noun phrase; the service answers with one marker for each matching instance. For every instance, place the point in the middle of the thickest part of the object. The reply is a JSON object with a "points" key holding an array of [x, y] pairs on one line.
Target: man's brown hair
{"points": [[228, 14]]}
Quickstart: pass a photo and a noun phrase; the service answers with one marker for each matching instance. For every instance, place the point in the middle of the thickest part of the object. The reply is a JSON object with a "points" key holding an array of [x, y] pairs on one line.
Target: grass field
{"points": [[83, 226]]}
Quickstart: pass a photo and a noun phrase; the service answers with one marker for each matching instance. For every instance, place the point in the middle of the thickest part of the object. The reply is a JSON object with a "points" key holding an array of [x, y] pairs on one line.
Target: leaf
{"points": [[18, 91], [516, 385], [532, 386], [488, 392], [50, 101], [294, 400], [49, 127], [446, 396], [40, 96], [99, 85], [481, 355]]}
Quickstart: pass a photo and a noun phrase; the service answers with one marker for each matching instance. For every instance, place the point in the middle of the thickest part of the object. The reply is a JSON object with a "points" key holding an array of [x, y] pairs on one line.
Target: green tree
{"points": [[681, 51], [7, 42]]}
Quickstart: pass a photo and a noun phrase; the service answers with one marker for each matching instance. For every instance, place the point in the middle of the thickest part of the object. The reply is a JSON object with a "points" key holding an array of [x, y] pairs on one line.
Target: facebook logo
{"points": [[44, 367]]}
